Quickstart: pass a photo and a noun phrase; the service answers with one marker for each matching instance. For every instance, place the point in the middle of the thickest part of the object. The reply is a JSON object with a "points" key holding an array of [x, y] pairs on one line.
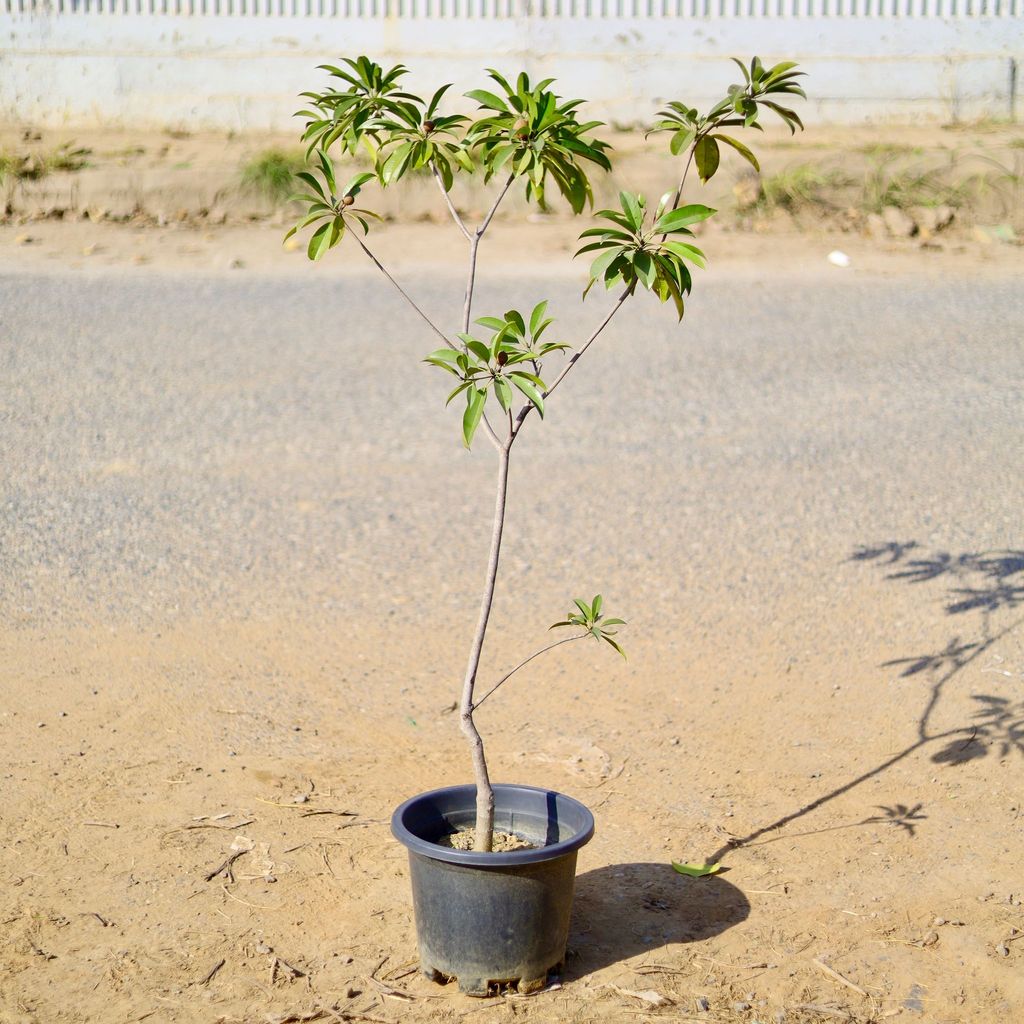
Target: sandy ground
{"points": [[227, 626]]}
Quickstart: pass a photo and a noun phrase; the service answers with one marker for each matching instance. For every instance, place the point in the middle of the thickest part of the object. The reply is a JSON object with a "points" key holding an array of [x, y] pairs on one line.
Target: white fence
{"points": [[240, 64], [504, 9]]}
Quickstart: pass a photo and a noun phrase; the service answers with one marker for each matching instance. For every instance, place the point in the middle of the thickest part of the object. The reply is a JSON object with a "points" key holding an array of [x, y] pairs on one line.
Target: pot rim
{"points": [[471, 858]]}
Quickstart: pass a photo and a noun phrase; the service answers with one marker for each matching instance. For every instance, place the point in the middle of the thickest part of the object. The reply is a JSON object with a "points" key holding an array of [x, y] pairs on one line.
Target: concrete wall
{"points": [[234, 72]]}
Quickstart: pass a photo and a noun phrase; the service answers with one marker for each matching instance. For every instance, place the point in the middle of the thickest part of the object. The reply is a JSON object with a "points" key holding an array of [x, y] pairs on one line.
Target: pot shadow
{"points": [[625, 909]]}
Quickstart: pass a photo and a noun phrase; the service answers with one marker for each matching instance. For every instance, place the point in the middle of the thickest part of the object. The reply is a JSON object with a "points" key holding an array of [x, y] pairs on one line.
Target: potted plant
{"points": [[498, 912]]}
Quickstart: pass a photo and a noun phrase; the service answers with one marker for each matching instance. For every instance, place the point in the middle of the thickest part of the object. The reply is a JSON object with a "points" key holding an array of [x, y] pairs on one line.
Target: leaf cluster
{"points": [[343, 114], [588, 617], [527, 132], [325, 202], [533, 135], [419, 137], [634, 252], [499, 366], [741, 107]]}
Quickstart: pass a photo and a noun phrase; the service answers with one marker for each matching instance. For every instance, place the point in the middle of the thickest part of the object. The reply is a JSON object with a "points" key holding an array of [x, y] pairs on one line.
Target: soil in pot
{"points": [[501, 842]]}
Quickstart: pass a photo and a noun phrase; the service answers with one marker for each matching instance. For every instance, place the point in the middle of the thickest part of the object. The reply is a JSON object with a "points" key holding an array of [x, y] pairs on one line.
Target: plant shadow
{"points": [[979, 584], [622, 910]]}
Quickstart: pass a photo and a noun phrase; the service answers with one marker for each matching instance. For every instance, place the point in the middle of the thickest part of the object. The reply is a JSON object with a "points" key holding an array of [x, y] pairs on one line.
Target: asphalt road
{"points": [[183, 446]]}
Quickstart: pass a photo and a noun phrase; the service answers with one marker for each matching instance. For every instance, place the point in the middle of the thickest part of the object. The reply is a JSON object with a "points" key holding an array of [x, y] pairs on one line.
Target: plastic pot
{"points": [[493, 918]]}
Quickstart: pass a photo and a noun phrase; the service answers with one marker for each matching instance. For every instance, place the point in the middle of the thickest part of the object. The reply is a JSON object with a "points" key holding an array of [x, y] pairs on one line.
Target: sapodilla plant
{"points": [[522, 134]]}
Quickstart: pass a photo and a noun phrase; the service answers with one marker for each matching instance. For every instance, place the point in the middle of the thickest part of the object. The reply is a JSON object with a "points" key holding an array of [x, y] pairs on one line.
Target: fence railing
{"points": [[505, 9]]}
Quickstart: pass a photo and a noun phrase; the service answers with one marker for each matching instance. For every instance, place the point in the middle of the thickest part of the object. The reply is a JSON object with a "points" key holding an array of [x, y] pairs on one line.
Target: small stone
{"points": [[838, 258], [930, 939], [939, 922], [262, 947], [932, 218], [23, 239], [217, 215], [702, 1004], [898, 223], [1002, 949], [235, 263], [874, 226], [740, 1007]]}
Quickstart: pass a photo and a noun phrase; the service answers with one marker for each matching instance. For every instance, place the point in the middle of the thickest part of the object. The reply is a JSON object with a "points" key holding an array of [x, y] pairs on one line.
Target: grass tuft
{"points": [[801, 187], [904, 187], [271, 174], [33, 166]]}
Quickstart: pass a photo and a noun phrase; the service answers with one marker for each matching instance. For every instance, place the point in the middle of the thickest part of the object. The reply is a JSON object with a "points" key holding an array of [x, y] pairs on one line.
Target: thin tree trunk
{"points": [[484, 792]]}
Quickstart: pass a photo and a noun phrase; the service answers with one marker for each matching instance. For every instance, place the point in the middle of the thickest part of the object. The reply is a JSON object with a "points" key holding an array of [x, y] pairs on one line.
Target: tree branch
{"points": [[686, 171], [460, 223], [526, 661], [474, 245], [525, 411], [484, 792], [380, 266]]}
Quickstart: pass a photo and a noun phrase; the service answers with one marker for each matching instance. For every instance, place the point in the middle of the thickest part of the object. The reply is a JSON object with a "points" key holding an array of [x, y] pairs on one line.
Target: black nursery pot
{"points": [[493, 918]]}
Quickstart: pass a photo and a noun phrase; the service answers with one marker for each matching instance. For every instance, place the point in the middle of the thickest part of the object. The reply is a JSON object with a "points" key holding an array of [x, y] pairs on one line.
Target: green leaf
{"points": [[707, 156], [681, 140], [595, 606], [537, 316], [328, 168], [741, 149], [503, 393], [320, 241], [583, 607], [530, 391], [514, 317], [447, 355], [356, 182], [683, 217], [604, 261], [614, 644], [643, 265], [686, 252], [491, 322], [696, 870], [479, 349], [632, 208], [474, 410], [313, 183], [487, 99], [458, 391], [394, 166]]}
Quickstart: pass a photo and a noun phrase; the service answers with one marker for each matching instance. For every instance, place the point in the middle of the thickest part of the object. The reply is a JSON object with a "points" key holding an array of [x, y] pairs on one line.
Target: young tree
{"points": [[523, 134]]}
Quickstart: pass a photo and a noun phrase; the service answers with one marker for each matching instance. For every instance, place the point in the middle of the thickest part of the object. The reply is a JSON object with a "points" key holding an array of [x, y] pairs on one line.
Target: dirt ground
{"points": [[866, 806]]}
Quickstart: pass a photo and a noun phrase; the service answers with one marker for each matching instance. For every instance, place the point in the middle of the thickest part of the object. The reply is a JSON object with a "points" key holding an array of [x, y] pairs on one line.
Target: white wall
{"points": [[244, 72]]}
